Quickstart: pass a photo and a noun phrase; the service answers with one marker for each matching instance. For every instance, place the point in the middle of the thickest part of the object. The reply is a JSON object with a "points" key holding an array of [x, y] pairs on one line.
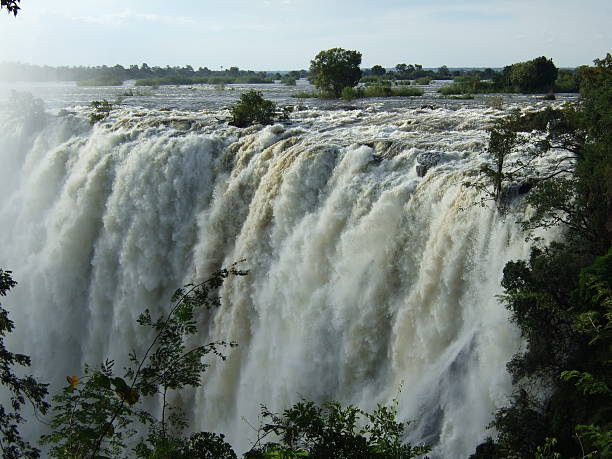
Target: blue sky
{"points": [[286, 34]]}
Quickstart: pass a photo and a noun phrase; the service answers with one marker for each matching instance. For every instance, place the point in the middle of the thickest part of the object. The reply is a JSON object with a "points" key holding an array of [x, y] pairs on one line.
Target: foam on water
{"points": [[364, 276]]}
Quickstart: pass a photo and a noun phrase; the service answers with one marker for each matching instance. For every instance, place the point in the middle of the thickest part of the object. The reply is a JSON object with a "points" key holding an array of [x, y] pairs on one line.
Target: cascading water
{"points": [[364, 277]]}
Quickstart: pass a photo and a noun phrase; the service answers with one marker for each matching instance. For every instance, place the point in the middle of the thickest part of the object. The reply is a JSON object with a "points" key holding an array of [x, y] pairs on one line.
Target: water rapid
{"points": [[364, 277]]}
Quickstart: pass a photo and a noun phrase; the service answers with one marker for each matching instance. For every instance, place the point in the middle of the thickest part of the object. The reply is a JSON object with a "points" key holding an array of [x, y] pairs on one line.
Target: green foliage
{"points": [[537, 75], [96, 414], [388, 91], [305, 95], [91, 417], [561, 298], [546, 451], [423, 80], [468, 84], [377, 70], [100, 110], [567, 81], [376, 79], [252, 108], [19, 388], [288, 80], [503, 139], [335, 69], [585, 382], [349, 93], [331, 430], [596, 439]]}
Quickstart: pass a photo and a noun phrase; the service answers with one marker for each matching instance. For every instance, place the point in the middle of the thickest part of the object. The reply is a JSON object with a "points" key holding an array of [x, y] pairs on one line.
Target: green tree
{"points": [[20, 388], [377, 70], [334, 69], [98, 412], [561, 298], [537, 75], [253, 108], [334, 431], [12, 6], [443, 71]]}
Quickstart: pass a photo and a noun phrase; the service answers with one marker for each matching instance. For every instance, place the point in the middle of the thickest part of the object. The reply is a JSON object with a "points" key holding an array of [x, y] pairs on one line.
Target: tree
{"points": [[537, 75], [378, 70], [335, 69], [96, 413], [251, 108], [20, 389], [443, 71], [11, 6], [561, 297], [334, 431]]}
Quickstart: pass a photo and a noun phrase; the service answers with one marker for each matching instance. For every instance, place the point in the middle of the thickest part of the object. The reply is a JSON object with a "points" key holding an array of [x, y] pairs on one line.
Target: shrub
{"points": [[252, 108], [334, 431], [566, 81], [423, 80], [96, 414], [101, 110], [349, 93], [305, 95], [288, 80], [388, 91], [451, 89]]}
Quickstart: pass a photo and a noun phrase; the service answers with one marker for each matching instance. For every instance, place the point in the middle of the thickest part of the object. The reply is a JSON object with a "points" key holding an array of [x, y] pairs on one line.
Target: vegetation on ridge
{"points": [[561, 297]]}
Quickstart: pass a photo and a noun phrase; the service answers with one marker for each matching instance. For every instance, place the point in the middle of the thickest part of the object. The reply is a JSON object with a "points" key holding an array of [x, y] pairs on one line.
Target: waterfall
{"points": [[364, 277]]}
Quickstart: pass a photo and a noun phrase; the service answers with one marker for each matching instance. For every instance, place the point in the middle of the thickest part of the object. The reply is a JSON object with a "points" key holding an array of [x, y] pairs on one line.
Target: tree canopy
{"points": [[536, 75], [561, 297], [334, 69], [11, 5]]}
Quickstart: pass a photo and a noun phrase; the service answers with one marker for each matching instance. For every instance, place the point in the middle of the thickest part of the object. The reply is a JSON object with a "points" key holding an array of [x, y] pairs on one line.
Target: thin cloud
{"points": [[127, 17]]}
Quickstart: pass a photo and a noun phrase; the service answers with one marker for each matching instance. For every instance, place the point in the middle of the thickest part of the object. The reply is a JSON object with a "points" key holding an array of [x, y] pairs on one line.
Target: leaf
{"points": [[130, 396]]}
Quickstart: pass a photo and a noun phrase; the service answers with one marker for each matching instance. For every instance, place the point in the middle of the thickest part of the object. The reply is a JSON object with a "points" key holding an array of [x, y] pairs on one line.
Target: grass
{"points": [[305, 95], [387, 91]]}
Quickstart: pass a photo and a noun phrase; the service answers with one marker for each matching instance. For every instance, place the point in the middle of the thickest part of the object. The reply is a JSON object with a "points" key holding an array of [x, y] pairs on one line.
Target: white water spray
{"points": [[364, 277]]}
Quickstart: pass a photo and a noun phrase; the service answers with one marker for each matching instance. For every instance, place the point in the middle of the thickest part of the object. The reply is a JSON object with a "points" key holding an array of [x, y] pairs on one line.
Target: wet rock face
{"points": [[426, 160]]}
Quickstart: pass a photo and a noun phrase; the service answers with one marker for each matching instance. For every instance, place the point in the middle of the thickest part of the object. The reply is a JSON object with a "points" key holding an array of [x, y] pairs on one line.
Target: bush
{"points": [[253, 108], [334, 431], [423, 80], [101, 110], [450, 90], [388, 91], [305, 95], [288, 80], [334, 69], [349, 93], [566, 81]]}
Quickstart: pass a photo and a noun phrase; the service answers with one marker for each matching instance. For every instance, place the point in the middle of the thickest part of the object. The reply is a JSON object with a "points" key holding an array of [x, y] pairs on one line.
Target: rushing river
{"points": [[364, 277]]}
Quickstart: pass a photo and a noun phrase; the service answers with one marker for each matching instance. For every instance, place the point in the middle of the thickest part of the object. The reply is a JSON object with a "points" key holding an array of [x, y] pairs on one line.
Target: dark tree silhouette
{"points": [[11, 5]]}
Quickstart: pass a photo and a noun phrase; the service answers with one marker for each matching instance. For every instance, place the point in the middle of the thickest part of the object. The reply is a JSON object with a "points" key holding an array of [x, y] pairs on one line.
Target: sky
{"points": [[287, 34]]}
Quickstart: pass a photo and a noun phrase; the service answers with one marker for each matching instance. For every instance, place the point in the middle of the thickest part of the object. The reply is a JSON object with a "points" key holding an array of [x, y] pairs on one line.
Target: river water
{"points": [[365, 279]]}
